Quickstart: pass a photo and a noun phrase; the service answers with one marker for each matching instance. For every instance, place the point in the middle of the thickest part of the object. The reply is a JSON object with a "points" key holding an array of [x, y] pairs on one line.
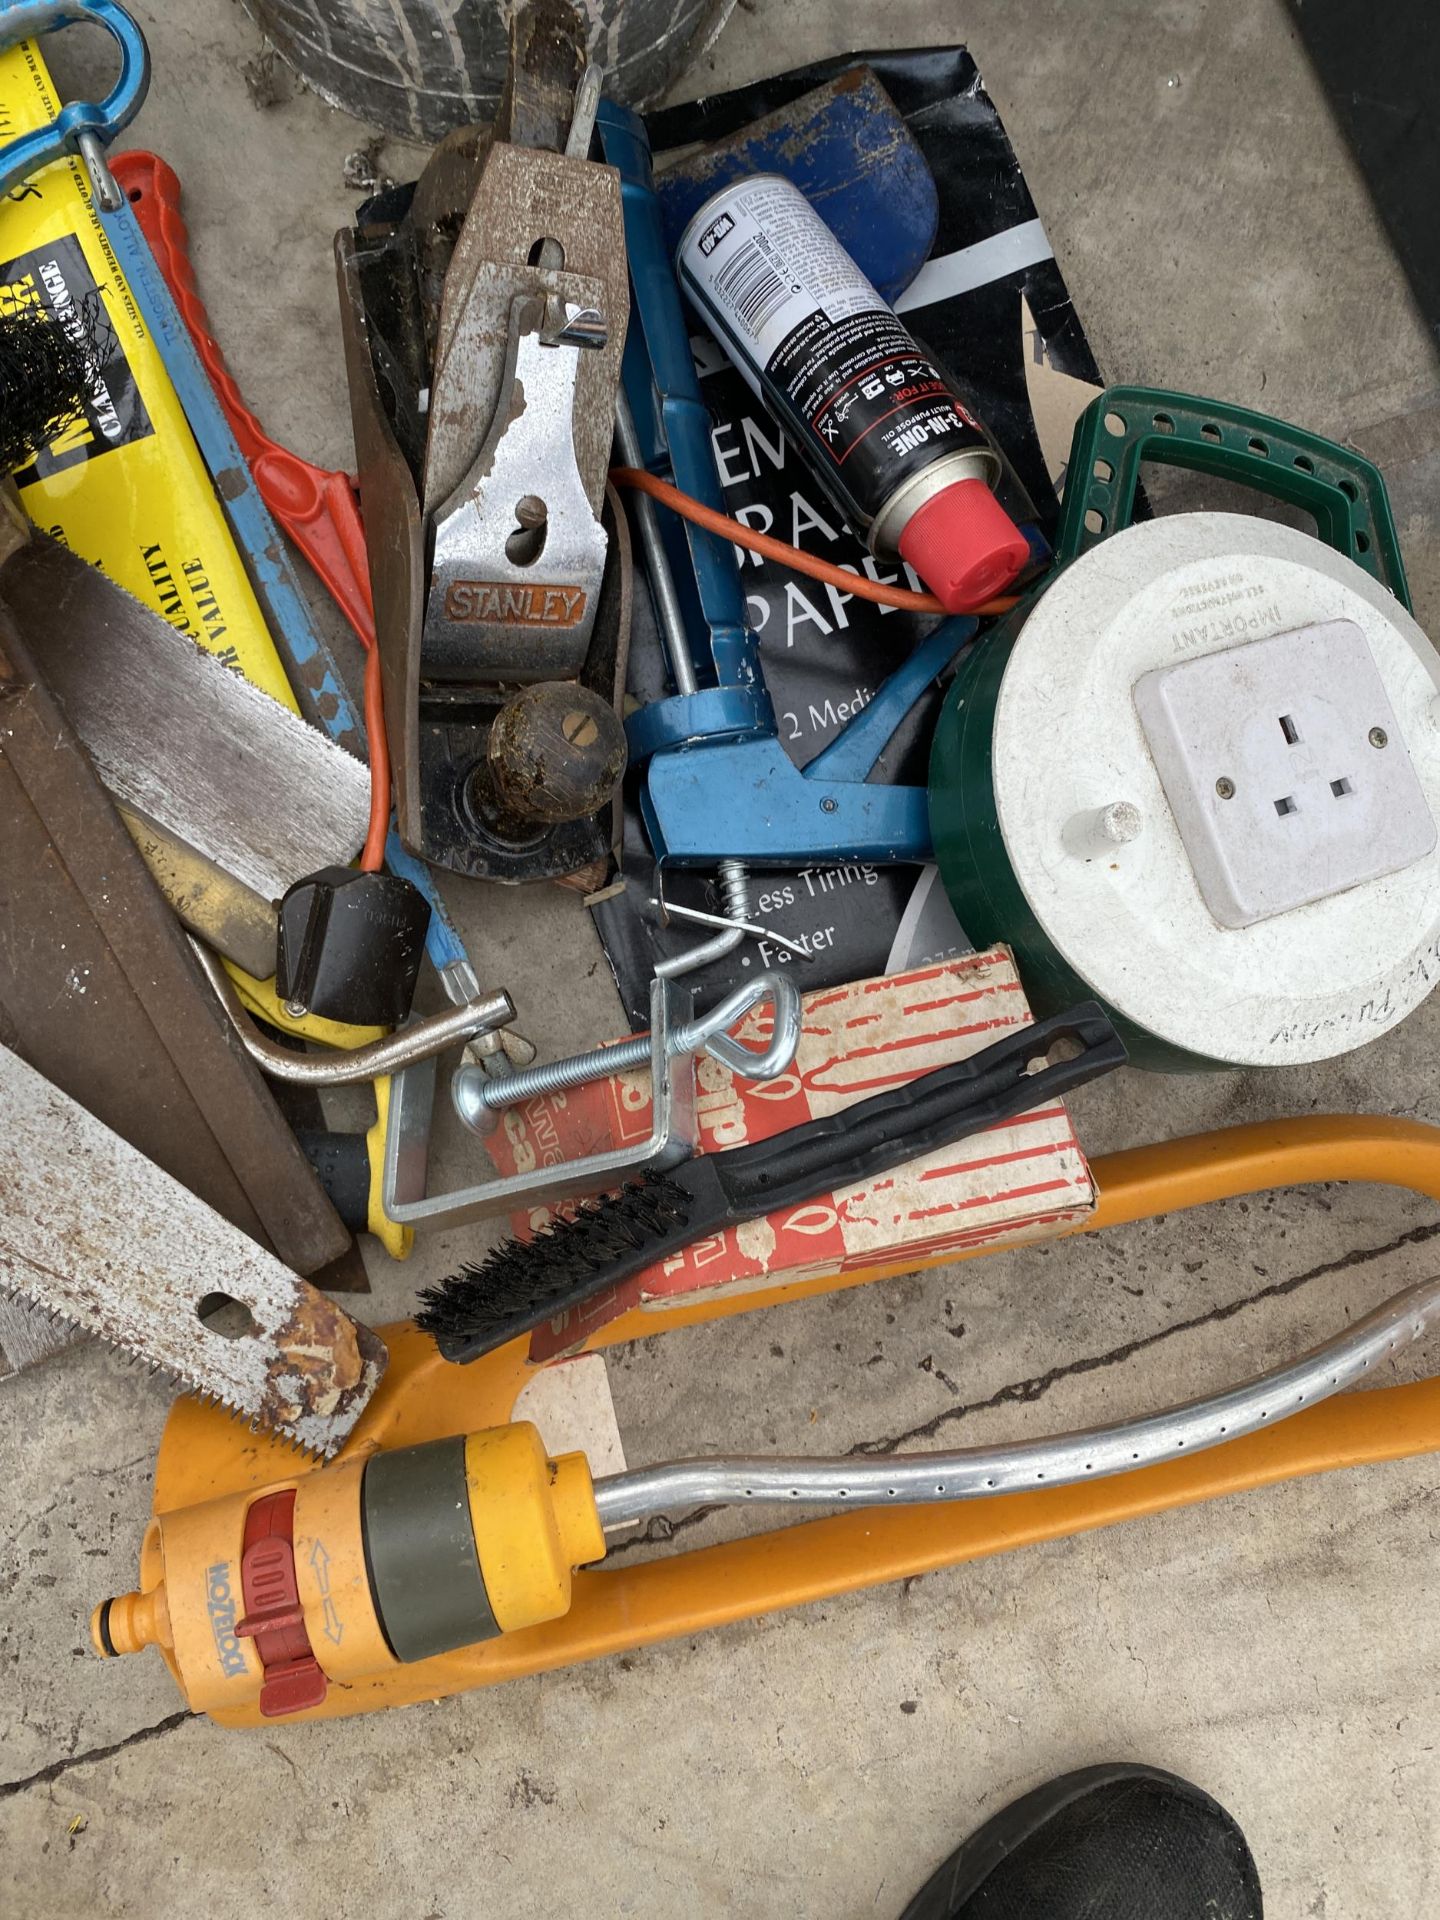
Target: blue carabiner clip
{"points": [[81, 127]]}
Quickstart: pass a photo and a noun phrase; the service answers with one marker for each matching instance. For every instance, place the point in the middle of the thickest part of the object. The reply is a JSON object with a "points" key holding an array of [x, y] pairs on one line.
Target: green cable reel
{"points": [[1062, 829]]}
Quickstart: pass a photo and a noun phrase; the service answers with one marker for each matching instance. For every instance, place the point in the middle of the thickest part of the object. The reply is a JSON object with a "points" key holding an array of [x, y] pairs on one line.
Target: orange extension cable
{"points": [[786, 555]]}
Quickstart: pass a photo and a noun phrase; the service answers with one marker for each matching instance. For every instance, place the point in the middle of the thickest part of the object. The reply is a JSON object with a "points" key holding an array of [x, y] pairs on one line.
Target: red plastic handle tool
{"points": [[317, 508]]}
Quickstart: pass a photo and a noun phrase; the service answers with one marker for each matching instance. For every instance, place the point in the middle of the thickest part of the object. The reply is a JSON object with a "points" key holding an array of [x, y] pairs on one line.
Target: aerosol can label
{"points": [[816, 342]]}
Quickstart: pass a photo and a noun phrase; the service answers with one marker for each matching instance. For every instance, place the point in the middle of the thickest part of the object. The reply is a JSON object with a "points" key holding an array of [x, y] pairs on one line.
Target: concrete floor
{"points": [[1280, 1649]]}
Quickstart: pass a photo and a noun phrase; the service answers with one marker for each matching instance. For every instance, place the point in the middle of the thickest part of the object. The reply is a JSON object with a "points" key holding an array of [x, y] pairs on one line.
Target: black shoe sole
{"points": [[971, 1864]]}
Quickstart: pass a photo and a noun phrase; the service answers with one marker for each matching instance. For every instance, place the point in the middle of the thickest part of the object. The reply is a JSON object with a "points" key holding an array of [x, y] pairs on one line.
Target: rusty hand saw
{"points": [[229, 796], [94, 1233]]}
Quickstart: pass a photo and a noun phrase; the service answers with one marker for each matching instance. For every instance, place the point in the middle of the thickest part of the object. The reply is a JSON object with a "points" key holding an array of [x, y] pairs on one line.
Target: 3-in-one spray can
{"points": [[877, 421]]}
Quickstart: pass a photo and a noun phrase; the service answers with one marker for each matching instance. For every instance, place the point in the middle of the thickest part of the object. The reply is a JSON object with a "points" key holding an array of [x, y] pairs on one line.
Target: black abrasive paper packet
{"points": [[825, 654]]}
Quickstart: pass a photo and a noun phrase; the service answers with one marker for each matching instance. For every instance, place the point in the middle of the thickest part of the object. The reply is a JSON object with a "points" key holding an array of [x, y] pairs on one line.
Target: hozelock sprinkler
{"points": [[439, 1551]]}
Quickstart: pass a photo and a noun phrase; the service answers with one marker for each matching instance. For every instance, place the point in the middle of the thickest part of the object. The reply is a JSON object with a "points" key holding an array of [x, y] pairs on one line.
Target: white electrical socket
{"points": [[1286, 770]]}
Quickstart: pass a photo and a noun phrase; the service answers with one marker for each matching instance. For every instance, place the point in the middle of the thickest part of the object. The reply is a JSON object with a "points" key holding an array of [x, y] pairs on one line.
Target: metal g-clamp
{"points": [[478, 1096], [669, 1050], [81, 127]]}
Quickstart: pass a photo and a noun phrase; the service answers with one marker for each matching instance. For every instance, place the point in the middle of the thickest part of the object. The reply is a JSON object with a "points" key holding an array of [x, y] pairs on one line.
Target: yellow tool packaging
{"points": [[125, 486]]}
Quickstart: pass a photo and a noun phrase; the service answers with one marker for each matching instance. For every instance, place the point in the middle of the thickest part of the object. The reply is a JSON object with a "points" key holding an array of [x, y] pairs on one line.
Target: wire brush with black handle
{"points": [[524, 1282]]}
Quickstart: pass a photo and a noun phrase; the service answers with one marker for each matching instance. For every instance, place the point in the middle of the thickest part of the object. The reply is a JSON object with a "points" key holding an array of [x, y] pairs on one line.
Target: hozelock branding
{"points": [[483, 602], [56, 279], [220, 1605]]}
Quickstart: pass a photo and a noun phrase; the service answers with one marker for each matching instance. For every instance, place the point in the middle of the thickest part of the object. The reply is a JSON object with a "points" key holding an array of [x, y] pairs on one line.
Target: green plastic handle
{"points": [[1126, 426]]}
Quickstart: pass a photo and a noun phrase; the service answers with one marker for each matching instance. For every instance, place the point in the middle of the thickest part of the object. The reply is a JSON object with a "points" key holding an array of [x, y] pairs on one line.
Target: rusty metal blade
{"points": [[93, 1232], [206, 762]]}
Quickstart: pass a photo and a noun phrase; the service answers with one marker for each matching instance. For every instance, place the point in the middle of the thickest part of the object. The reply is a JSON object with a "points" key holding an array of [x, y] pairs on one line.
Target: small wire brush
{"points": [[48, 369], [524, 1282]]}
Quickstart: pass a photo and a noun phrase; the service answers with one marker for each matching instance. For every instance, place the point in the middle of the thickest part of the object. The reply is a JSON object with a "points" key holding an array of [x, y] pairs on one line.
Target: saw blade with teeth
{"points": [[93, 1233]]}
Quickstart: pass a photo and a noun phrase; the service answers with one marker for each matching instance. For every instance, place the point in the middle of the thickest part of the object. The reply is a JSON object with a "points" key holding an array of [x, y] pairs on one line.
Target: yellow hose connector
{"points": [[129, 1622]]}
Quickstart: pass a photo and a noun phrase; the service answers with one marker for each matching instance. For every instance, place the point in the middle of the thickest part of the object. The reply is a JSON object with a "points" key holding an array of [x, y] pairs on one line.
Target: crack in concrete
{"points": [[59, 1767], [1025, 1391]]}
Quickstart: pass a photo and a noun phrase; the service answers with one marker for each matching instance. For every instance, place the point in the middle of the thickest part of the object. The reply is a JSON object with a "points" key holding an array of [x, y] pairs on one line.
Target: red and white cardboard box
{"points": [[1020, 1180]]}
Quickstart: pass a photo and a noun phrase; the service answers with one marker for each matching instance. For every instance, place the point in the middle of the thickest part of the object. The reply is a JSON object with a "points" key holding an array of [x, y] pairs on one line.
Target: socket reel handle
{"points": [[1126, 426]]}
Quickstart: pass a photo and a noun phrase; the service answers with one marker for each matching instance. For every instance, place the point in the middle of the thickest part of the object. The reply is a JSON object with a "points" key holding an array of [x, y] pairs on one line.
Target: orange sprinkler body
{"points": [[438, 1551]]}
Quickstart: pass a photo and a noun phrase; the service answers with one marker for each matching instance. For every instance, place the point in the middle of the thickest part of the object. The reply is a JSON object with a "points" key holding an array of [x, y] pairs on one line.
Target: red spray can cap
{"points": [[964, 545]]}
